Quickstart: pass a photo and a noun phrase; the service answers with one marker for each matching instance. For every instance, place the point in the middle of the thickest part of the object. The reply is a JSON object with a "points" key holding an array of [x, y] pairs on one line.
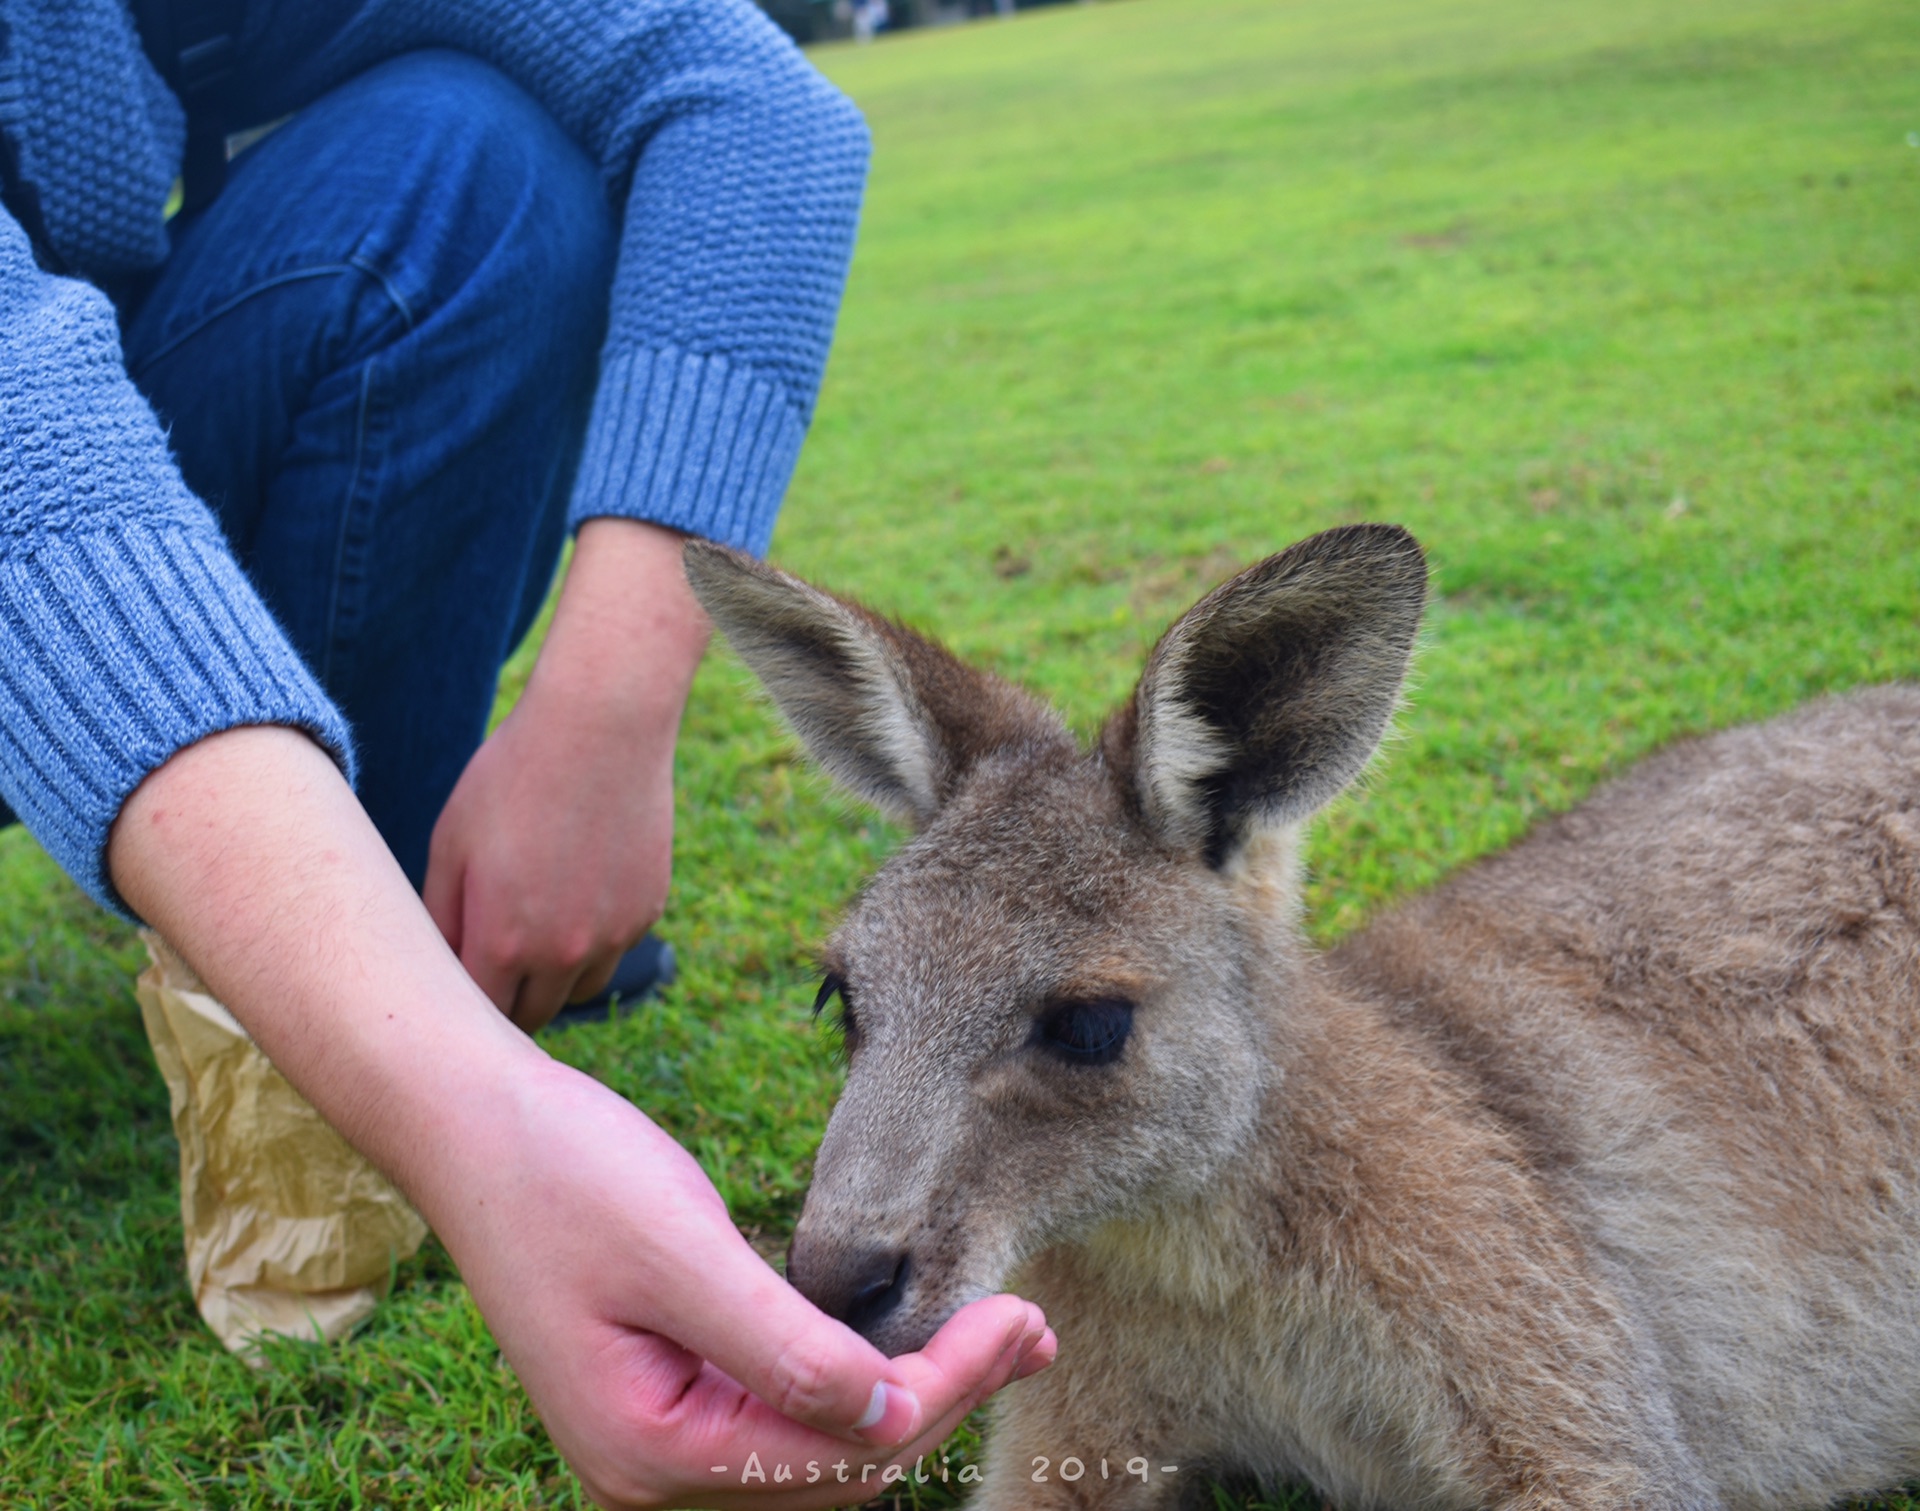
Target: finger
{"points": [[971, 1357], [594, 977], [541, 994], [799, 1361], [955, 1372], [970, 1342], [712, 1426], [713, 1423], [1039, 1356], [498, 978], [1016, 1362]]}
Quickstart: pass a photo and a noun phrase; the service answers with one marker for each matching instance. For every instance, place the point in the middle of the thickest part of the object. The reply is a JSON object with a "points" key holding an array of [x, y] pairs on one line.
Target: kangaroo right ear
{"points": [[893, 717], [1269, 695]]}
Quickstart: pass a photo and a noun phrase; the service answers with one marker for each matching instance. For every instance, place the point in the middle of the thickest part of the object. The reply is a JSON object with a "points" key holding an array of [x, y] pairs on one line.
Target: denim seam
{"points": [[386, 285], [226, 307], [347, 516], [254, 290]]}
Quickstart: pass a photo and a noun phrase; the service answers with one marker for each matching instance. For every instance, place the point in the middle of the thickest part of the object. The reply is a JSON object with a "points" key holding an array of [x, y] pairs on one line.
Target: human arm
{"points": [[554, 852], [600, 1255]]}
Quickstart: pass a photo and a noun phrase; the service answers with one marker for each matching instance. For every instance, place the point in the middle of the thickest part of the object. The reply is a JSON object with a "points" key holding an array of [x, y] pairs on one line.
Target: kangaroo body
{"points": [[1590, 1179]]}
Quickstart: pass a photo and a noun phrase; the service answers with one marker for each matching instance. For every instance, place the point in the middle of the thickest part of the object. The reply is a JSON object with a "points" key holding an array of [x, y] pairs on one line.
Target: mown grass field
{"points": [[1617, 306]]}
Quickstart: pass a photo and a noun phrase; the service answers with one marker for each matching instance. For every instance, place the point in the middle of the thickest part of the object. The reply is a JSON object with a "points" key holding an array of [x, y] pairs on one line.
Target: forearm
{"points": [[627, 636], [604, 1261], [249, 853]]}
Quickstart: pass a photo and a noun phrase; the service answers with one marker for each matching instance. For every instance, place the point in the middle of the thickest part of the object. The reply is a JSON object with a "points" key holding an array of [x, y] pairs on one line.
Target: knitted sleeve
{"points": [[737, 170], [127, 630]]}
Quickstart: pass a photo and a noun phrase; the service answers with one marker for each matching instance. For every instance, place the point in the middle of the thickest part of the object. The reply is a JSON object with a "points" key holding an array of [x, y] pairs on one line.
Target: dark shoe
{"points": [[642, 971]]}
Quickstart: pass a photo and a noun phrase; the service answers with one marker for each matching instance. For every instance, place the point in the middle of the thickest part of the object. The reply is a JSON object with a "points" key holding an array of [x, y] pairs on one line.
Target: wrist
{"points": [[469, 1146], [627, 634]]}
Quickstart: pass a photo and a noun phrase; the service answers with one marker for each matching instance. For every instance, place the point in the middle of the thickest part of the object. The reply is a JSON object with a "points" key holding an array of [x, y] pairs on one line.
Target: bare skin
{"points": [[554, 852]]}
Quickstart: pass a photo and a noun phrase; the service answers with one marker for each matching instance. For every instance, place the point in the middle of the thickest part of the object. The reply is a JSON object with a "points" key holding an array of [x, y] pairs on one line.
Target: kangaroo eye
{"points": [[1085, 1033], [833, 986], [836, 986]]}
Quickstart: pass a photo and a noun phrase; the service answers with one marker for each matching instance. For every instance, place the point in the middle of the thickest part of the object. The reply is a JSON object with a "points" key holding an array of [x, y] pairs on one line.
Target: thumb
{"points": [[794, 1357]]}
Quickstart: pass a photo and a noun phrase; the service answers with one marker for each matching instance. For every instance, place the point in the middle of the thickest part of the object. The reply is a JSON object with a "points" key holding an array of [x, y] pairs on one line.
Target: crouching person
{"points": [[283, 481]]}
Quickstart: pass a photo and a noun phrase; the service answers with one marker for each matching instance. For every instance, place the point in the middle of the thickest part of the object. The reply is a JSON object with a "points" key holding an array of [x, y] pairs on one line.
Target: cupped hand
{"points": [[662, 1352]]}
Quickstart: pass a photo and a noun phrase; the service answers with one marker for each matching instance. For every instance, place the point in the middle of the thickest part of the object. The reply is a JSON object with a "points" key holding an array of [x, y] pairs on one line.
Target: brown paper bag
{"points": [[288, 1230]]}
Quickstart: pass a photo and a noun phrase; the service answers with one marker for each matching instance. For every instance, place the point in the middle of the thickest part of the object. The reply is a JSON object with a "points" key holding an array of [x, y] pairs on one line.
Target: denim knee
{"points": [[511, 210], [522, 236]]}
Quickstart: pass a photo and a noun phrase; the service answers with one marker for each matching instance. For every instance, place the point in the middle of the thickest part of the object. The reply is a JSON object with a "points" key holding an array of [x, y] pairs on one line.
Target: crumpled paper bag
{"points": [[288, 1229]]}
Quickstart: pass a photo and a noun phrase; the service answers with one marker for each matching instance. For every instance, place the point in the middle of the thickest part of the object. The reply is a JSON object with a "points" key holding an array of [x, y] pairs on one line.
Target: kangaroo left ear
{"points": [[1270, 695], [893, 717]]}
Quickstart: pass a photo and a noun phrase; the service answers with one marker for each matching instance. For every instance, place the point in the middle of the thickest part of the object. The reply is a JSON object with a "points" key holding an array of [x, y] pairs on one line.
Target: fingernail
{"points": [[876, 1408], [1039, 1356], [892, 1415]]}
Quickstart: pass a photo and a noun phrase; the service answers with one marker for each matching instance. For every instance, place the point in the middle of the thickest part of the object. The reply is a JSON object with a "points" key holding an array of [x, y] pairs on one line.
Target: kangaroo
{"points": [[1586, 1180]]}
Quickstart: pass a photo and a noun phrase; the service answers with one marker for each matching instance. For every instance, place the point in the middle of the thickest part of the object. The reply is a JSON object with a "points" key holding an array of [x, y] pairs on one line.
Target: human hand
{"points": [[656, 1345], [553, 855]]}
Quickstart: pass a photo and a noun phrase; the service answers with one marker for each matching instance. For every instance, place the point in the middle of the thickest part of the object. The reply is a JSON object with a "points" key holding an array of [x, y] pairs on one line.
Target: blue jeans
{"points": [[375, 355]]}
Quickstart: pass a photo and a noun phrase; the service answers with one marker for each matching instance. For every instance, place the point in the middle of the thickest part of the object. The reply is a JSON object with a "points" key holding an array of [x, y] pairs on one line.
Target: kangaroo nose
{"points": [[860, 1288]]}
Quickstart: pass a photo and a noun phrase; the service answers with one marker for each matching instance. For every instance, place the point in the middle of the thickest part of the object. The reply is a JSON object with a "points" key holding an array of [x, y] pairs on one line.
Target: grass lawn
{"points": [[1616, 306]]}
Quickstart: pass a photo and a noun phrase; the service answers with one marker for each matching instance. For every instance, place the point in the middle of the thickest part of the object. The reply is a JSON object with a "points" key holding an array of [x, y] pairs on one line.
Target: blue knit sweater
{"points": [[126, 628]]}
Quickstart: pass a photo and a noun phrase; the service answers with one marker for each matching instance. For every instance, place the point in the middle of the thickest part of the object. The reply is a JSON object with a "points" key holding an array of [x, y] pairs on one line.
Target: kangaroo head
{"points": [[1057, 995]]}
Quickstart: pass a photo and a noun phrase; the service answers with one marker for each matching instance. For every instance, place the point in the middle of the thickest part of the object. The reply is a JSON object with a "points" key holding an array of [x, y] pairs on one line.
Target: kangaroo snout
{"points": [[859, 1284], [889, 1272]]}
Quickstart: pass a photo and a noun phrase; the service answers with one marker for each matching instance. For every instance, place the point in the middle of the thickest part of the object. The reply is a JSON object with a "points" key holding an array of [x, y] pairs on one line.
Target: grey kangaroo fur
{"points": [[1586, 1180]]}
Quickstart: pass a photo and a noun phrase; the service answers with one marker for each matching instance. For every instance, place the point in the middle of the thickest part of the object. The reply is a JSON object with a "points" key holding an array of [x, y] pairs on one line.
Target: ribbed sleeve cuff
{"points": [[118, 648], [688, 441]]}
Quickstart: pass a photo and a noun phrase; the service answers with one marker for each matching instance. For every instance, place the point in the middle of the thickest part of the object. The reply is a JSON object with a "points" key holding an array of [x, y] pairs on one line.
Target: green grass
{"points": [[1617, 306]]}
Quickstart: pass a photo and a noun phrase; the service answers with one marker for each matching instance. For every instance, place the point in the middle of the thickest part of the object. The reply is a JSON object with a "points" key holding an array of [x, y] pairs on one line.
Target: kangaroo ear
{"points": [[1272, 692], [893, 717]]}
